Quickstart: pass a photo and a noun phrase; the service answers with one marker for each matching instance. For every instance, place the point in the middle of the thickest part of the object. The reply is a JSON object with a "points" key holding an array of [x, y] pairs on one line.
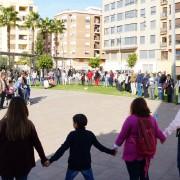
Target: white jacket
{"points": [[173, 125]]}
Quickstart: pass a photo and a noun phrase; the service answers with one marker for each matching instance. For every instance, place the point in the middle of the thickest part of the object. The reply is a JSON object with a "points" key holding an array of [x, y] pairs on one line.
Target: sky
{"points": [[49, 8]]}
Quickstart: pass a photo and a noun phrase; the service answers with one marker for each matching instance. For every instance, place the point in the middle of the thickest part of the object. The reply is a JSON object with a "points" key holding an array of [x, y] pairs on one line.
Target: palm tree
{"points": [[8, 18], [32, 22], [45, 26], [57, 28]]}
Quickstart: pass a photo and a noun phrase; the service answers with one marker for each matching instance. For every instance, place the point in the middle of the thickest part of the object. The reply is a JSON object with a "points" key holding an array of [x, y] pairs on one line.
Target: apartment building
{"points": [[141, 27], [81, 39], [21, 37]]}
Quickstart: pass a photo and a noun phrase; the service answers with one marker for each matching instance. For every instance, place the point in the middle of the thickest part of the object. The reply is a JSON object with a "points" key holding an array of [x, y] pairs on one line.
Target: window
{"points": [[130, 40], [164, 55], [88, 19], [112, 30], [142, 13], [152, 39], [152, 54], [106, 7], [153, 24], [130, 14], [22, 37], [130, 2], [30, 8], [112, 42], [118, 41], [143, 1], [143, 54], [106, 19], [106, 31], [113, 18], [130, 27], [120, 16], [142, 39], [120, 4], [113, 6], [153, 10], [106, 43], [119, 29], [142, 26]]}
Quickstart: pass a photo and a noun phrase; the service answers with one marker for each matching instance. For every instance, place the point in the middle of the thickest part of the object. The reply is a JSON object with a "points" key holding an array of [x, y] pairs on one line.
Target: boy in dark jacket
{"points": [[80, 142]]}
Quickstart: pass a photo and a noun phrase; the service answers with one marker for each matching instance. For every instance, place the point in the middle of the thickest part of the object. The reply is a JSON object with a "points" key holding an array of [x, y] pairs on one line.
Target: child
{"points": [[80, 142]]}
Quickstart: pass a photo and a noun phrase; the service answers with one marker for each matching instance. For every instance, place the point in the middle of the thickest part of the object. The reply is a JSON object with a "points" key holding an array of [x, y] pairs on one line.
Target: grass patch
{"points": [[89, 89]]}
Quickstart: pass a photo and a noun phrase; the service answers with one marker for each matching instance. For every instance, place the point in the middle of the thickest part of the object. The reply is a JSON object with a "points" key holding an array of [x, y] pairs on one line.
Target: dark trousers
{"points": [[58, 80], [178, 155], [2, 99], [24, 177], [169, 98], [136, 170]]}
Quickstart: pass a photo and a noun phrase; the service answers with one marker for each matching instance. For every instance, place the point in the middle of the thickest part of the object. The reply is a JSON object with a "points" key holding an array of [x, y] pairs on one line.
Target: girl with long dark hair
{"points": [[18, 138]]}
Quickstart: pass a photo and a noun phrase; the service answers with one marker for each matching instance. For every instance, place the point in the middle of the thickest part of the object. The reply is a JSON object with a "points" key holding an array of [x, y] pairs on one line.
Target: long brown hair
{"points": [[140, 108], [17, 125]]}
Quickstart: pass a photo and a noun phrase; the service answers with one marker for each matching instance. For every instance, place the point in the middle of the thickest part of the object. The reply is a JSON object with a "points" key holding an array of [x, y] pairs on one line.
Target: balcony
{"points": [[163, 30], [163, 44], [164, 15], [164, 2]]}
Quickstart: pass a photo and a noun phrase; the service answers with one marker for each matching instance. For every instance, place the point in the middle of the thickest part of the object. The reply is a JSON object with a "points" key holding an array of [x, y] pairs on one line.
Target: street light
{"points": [[173, 39]]}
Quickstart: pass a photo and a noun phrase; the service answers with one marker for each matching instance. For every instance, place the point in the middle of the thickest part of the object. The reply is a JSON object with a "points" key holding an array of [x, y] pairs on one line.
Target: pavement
{"points": [[52, 112]]}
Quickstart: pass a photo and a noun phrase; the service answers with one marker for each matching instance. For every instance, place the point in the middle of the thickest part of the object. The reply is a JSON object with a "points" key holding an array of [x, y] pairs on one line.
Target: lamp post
{"points": [[120, 51], [173, 39]]}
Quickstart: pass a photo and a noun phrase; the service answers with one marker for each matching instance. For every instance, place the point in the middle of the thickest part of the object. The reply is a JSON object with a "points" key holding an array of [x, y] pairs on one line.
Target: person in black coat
{"points": [[80, 142], [18, 138], [169, 87]]}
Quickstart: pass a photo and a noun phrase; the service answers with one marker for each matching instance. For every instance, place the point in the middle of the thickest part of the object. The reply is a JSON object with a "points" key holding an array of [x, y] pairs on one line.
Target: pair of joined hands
{"points": [[46, 163]]}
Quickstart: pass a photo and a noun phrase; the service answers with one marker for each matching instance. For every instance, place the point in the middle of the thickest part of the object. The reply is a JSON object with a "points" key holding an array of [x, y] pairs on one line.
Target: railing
{"points": [[163, 44], [163, 30]]}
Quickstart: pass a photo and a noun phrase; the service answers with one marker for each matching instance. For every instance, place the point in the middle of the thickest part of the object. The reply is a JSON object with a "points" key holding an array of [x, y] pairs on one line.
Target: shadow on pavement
{"points": [[36, 100]]}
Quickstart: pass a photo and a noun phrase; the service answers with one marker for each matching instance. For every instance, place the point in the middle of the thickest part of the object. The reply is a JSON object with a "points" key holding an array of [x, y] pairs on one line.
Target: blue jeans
{"points": [[139, 89], [16, 177], [87, 174]]}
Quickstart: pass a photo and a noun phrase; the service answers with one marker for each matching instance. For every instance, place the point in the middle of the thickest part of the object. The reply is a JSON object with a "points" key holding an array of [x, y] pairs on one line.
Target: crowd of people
{"points": [[14, 83], [140, 84], [139, 134]]}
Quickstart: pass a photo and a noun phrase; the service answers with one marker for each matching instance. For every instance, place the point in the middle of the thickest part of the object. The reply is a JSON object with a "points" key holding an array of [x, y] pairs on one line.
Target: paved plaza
{"points": [[52, 113]]}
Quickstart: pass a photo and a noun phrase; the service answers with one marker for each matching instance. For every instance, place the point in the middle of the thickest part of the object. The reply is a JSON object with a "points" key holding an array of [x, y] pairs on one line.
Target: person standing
{"points": [[89, 77], [3, 86], [127, 83], [178, 88], [111, 78], [175, 126], [162, 85], [80, 142], [133, 83], [97, 77], [139, 125], [58, 76], [64, 77], [145, 83], [169, 88], [152, 85], [18, 138], [139, 81]]}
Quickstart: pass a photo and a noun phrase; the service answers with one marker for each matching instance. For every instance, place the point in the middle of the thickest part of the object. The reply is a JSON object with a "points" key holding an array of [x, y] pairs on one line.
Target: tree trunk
{"points": [[46, 42], [56, 41], [8, 43]]}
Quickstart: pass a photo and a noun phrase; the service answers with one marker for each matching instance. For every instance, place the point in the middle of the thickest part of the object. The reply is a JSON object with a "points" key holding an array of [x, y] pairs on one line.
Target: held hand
{"points": [[115, 150], [46, 163]]}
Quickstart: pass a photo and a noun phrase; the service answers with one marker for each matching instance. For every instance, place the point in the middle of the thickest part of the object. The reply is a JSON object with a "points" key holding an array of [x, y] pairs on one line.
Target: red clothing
{"points": [[89, 75]]}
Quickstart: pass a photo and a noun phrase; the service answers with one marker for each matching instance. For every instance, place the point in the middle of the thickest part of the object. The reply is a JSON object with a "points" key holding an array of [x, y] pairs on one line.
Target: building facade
{"points": [[142, 27], [82, 38], [21, 37]]}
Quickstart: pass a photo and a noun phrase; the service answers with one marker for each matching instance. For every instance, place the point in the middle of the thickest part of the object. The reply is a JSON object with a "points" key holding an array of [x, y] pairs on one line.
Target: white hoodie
{"points": [[173, 125]]}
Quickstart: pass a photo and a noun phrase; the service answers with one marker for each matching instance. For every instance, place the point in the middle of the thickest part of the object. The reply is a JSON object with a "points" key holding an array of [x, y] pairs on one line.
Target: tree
{"points": [[46, 28], [39, 45], [57, 28], [45, 61], [132, 59], [3, 62], [8, 18], [94, 62], [32, 22]]}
